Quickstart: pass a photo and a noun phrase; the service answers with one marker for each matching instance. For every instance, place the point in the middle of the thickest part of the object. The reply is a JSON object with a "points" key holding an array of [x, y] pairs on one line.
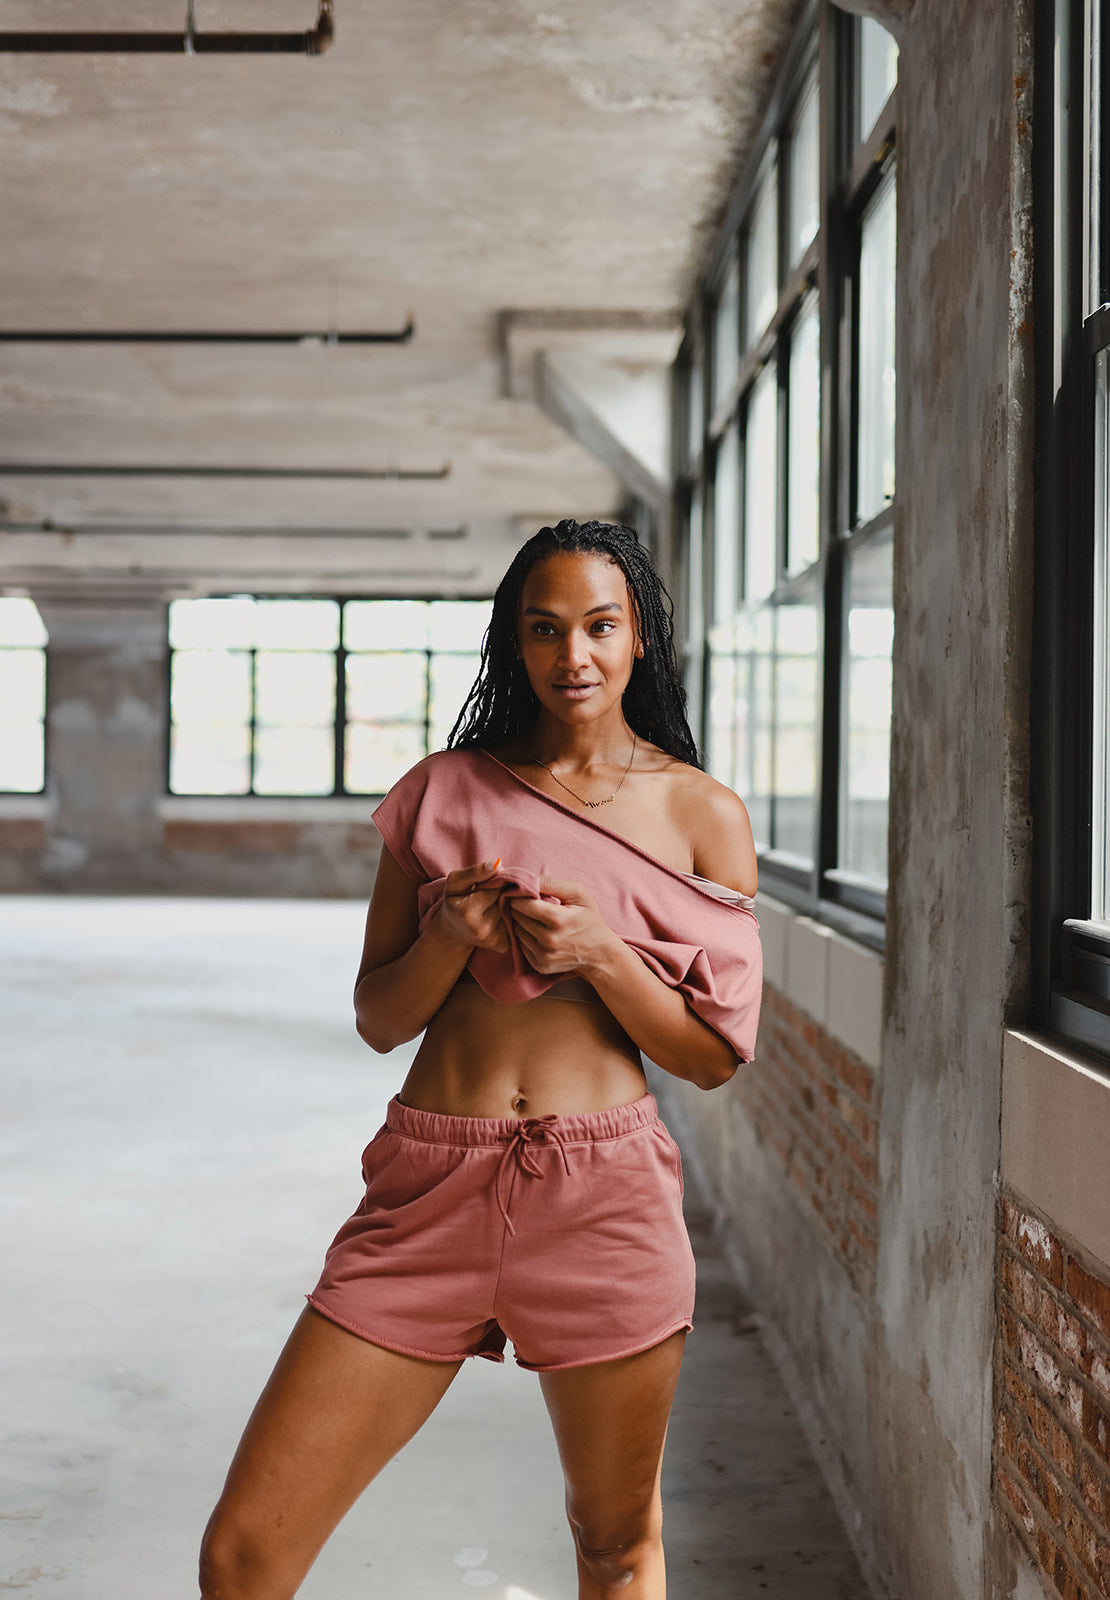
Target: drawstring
{"points": [[528, 1131]]}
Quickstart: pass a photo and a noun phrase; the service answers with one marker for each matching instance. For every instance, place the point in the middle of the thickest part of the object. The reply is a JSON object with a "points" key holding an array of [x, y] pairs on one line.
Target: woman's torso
{"points": [[480, 1058]]}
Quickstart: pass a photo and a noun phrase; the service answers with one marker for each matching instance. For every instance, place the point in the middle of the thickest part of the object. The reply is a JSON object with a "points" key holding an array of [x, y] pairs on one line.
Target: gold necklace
{"points": [[592, 804]]}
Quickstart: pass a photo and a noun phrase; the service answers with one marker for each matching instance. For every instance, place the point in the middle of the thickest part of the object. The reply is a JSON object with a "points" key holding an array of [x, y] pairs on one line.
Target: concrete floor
{"points": [[184, 1106]]}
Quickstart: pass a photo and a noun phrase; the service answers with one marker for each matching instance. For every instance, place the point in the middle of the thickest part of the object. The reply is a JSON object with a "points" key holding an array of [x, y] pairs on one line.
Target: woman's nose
{"points": [[575, 649]]}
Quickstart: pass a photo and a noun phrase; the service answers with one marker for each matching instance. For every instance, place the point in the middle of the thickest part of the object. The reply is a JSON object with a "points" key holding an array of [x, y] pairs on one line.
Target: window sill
{"points": [[1055, 1132], [24, 805], [834, 979], [264, 808]]}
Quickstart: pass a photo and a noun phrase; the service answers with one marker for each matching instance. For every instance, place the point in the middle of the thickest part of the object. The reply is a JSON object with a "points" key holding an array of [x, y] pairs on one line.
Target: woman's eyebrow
{"points": [[538, 611]]}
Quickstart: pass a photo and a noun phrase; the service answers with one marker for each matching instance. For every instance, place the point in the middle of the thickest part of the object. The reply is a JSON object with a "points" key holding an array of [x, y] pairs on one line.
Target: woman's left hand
{"points": [[565, 934]]}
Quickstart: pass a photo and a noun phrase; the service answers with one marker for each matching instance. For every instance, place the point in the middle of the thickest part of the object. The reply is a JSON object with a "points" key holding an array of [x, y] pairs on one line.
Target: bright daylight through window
{"points": [[784, 430], [22, 697], [314, 696]]}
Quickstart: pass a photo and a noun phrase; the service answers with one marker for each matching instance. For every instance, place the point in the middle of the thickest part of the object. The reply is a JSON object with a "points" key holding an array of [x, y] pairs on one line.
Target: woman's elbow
{"points": [[380, 1039], [716, 1073]]}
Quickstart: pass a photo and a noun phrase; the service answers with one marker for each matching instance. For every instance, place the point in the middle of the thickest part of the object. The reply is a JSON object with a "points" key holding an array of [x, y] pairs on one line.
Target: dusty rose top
{"points": [[463, 806]]}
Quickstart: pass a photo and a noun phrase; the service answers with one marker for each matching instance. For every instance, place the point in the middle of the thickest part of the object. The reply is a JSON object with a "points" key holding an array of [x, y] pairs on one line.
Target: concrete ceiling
{"points": [[456, 160]]}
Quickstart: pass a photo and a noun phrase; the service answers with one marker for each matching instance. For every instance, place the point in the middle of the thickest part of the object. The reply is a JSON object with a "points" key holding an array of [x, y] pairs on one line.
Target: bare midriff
{"points": [[479, 1058]]}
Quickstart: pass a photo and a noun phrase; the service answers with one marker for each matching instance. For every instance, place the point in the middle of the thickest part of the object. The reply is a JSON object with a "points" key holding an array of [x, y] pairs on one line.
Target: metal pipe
{"points": [[312, 42], [202, 336], [70, 469]]}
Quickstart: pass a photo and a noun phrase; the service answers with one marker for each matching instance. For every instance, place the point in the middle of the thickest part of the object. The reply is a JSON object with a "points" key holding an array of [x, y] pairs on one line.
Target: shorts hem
{"points": [[684, 1323], [395, 1344]]}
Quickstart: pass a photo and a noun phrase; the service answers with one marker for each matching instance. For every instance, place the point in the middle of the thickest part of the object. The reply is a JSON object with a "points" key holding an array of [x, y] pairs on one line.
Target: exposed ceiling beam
{"points": [[311, 42], [91, 469], [203, 336]]}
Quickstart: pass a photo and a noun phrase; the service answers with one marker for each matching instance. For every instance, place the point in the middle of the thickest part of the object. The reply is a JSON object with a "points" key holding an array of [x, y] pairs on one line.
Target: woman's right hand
{"points": [[470, 912]]}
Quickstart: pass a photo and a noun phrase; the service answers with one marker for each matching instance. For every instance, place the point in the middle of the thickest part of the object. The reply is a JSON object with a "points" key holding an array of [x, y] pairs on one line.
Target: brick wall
{"points": [[814, 1103], [1052, 1403]]}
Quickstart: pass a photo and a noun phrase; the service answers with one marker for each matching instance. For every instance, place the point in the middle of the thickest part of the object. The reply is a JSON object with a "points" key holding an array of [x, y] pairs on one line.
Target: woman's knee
{"points": [[614, 1548], [236, 1565]]}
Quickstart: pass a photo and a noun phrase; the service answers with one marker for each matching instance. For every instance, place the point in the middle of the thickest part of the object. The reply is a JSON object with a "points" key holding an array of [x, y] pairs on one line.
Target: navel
{"points": [[519, 1103]]}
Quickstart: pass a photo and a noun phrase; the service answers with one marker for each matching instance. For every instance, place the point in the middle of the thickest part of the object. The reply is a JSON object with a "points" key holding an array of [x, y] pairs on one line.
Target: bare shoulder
{"points": [[715, 821]]}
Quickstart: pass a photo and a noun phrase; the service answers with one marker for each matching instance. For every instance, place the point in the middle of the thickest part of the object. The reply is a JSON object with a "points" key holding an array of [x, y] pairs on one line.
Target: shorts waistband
{"points": [[581, 1127]]}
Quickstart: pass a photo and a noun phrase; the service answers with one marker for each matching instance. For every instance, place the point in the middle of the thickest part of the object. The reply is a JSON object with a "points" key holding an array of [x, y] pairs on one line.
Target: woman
{"points": [[565, 848]]}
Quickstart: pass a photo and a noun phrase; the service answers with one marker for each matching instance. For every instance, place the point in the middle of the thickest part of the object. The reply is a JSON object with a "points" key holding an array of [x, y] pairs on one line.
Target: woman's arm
{"points": [[406, 975], [569, 935]]}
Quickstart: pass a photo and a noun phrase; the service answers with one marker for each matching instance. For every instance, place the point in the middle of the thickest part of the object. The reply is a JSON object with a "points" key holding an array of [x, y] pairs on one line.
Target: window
{"points": [[1072, 590], [22, 698], [784, 454], [314, 696]]}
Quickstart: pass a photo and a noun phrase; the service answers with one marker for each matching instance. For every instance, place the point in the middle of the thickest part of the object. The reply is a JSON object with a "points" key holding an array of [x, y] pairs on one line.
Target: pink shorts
{"points": [[563, 1234]]}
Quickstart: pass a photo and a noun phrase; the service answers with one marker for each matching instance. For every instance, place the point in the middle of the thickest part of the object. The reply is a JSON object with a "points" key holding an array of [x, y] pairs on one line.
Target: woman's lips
{"points": [[574, 691]]}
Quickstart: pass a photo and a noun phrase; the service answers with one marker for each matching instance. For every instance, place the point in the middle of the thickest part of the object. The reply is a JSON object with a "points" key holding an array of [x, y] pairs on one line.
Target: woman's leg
{"points": [[610, 1424], [335, 1410]]}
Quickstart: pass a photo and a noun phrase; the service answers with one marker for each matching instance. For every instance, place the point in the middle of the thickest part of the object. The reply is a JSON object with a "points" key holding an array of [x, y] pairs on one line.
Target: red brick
{"points": [[1073, 1340], [1007, 1434], [1041, 1248], [1090, 1294], [1019, 1389], [1063, 1452], [1008, 1219], [1102, 1566], [361, 838], [1042, 1428], [1092, 1488], [1081, 1537], [22, 835], [1038, 1360], [1048, 1316], [232, 838], [1016, 1498], [1042, 1482]]}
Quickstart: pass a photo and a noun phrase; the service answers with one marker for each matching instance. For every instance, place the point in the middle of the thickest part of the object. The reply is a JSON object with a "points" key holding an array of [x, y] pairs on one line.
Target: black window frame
{"points": [[827, 38], [1070, 954], [339, 791]]}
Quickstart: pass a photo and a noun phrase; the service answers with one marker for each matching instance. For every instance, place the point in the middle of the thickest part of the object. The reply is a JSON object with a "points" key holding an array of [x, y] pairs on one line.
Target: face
{"points": [[577, 635]]}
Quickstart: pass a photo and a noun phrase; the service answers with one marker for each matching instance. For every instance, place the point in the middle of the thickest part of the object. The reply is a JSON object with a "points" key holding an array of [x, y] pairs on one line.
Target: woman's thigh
{"points": [[610, 1423], [334, 1411]]}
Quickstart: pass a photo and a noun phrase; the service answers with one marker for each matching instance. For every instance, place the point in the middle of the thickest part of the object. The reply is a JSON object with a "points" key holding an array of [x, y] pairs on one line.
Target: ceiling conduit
{"points": [[313, 42], [203, 336], [97, 469]]}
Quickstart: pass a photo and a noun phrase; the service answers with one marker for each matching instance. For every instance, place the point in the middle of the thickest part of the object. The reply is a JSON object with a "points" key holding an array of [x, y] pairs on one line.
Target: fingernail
{"points": [[496, 864]]}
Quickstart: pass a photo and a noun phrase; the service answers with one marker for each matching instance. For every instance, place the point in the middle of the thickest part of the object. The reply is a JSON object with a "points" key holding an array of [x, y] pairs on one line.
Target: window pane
{"points": [[726, 334], [761, 487], [22, 767], [458, 624], [212, 624], [452, 677], [795, 742], [294, 687], [878, 73], [753, 720], [297, 624], [210, 760], [292, 760], [763, 275], [385, 625], [210, 688], [20, 622], [804, 488], [805, 196], [390, 687], [695, 412], [865, 755], [722, 708], [726, 527], [693, 595], [1100, 748], [22, 688], [875, 485], [377, 755]]}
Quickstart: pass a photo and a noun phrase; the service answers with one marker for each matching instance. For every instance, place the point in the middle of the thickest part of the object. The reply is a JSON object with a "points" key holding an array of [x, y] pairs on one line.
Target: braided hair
{"points": [[502, 704]]}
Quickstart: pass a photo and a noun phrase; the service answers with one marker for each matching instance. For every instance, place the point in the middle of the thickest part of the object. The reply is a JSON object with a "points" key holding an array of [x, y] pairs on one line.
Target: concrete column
{"points": [[105, 729]]}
